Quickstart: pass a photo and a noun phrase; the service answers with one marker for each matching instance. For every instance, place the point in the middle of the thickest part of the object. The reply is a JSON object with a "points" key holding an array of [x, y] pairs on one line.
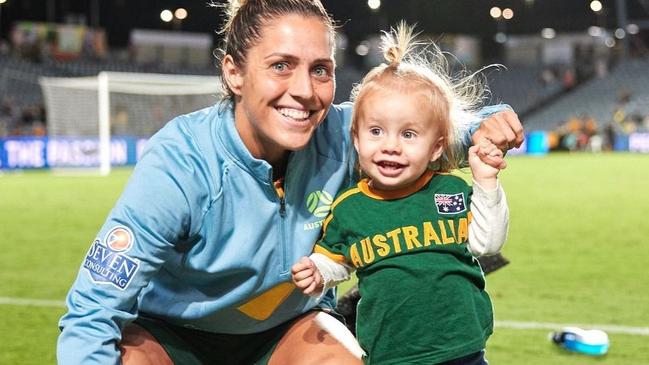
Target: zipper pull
{"points": [[279, 189], [282, 207]]}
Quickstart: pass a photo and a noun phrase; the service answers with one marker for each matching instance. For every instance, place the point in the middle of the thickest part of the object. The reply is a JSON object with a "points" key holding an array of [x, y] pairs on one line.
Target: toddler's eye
{"points": [[375, 131], [409, 134]]}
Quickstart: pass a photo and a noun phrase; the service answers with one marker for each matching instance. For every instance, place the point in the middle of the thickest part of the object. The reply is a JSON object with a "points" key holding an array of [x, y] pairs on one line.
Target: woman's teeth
{"points": [[294, 113]]}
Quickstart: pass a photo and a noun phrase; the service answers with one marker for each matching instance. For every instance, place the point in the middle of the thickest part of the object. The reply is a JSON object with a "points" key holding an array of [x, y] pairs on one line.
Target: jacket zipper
{"points": [[286, 268], [282, 229], [282, 207]]}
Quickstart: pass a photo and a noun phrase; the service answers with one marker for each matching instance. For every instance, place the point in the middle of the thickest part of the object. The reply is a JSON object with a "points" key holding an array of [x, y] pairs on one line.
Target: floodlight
{"points": [[166, 15], [495, 12], [508, 13], [180, 13]]}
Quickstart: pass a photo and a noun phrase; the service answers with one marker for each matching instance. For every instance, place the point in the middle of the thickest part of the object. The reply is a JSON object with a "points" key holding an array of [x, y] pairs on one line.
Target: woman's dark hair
{"points": [[245, 20]]}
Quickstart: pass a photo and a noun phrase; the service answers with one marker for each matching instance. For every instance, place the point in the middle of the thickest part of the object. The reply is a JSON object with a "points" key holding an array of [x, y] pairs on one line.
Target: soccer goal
{"points": [[87, 112]]}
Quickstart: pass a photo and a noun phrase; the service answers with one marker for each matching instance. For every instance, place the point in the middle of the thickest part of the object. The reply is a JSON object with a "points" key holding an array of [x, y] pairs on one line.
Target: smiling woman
{"points": [[217, 210], [284, 91]]}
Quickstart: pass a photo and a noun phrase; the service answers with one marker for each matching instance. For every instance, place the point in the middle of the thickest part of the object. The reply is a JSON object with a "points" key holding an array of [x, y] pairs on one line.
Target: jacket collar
{"points": [[227, 133]]}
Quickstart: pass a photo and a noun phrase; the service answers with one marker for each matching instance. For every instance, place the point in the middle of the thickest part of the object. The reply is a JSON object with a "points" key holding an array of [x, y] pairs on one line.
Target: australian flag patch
{"points": [[450, 203]]}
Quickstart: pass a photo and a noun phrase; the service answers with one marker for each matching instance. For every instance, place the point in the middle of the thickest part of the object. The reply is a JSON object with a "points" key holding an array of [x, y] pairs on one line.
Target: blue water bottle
{"points": [[589, 342]]}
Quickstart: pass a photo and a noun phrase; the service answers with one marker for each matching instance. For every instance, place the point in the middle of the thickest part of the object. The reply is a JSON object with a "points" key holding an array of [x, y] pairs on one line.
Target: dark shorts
{"points": [[186, 346], [476, 358]]}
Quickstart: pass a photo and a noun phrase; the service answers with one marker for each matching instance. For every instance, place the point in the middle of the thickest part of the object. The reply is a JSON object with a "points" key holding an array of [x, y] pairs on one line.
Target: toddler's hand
{"points": [[306, 277], [482, 159]]}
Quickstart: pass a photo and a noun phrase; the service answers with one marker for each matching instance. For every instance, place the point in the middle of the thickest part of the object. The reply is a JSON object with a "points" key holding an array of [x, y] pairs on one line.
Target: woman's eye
{"points": [[321, 72], [280, 66]]}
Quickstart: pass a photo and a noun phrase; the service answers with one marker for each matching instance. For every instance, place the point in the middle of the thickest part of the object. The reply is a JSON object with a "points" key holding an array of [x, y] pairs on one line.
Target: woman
{"points": [[193, 263]]}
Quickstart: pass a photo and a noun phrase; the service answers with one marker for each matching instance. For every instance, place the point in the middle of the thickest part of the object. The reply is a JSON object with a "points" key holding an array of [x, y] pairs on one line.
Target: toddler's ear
{"points": [[438, 149], [355, 139]]}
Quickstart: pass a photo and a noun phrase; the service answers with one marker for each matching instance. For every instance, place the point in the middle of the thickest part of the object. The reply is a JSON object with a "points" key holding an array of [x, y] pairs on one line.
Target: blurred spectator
{"points": [[547, 76], [8, 116], [578, 134], [553, 140], [623, 97], [609, 137], [645, 123], [590, 127], [569, 79], [38, 129], [595, 143], [8, 107], [26, 121], [119, 121], [601, 68]]}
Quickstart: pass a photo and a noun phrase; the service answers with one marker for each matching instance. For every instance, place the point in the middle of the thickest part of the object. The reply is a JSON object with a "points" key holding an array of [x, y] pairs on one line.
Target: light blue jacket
{"points": [[201, 238]]}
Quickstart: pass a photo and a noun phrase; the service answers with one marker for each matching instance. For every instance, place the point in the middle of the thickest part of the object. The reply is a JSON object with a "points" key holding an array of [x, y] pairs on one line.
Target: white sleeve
{"points": [[488, 228], [333, 273]]}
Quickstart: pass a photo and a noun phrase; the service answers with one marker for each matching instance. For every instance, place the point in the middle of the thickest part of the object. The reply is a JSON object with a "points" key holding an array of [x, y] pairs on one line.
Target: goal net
{"points": [[118, 104]]}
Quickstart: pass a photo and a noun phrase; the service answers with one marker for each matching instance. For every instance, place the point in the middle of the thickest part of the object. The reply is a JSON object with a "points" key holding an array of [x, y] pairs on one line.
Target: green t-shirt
{"points": [[422, 292]]}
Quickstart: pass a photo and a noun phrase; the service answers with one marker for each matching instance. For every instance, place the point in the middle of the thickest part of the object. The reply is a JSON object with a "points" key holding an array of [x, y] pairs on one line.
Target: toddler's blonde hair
{"points": [[416, 67]]}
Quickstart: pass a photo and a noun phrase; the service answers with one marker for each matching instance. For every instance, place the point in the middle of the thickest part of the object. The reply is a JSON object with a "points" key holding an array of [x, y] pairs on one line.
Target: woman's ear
{"points": [[438, 149], [232, 74]]}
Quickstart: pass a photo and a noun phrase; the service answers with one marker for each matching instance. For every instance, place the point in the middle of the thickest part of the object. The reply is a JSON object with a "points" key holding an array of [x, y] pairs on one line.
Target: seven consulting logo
{"points": [[119, 239], [106, 262], [318, 203]]}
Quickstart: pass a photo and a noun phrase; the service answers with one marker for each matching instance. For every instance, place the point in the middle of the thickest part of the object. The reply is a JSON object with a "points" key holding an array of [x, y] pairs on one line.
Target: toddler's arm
{"points": [[316, 273], [488, 228]]}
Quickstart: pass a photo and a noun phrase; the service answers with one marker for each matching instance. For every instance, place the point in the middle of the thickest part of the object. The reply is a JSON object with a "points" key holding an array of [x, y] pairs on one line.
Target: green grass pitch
{"points": [[578, 248]]}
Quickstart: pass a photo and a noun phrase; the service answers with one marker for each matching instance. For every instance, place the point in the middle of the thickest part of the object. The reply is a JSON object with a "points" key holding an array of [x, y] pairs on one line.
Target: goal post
{"points": [[98, 109], [103, 109]]}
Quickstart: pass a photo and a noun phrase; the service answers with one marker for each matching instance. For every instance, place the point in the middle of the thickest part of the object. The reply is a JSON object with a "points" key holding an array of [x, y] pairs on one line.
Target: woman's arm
{"points": [[158, 207]]}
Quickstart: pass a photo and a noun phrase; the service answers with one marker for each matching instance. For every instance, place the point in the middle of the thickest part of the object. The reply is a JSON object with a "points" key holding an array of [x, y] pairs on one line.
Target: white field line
{"points": [[627, 330], [610, 328], [32, 302]]}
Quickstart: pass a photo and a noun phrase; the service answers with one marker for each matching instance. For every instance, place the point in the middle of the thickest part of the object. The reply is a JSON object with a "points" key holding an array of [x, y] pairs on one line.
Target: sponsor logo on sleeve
{"points": [[450, 203], [106, 261]]}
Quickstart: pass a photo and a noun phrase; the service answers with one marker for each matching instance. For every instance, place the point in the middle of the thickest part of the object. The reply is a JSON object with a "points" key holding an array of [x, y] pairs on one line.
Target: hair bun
{"points": [[398, 43], [231, 8], [393, 54], [234, 7]]}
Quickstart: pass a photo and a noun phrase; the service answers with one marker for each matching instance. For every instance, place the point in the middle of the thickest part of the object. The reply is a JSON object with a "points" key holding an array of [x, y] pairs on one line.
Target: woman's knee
{"points": [[307, 343], [139, 347]]}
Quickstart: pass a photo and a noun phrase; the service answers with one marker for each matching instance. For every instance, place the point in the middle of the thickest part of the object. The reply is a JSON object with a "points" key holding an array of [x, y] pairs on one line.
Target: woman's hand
{"points": [[503, 129]]}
